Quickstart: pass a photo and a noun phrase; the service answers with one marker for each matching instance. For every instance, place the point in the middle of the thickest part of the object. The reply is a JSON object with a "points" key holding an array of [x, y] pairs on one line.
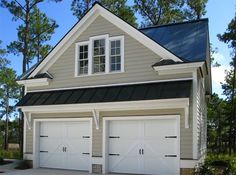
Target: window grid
{"points": [[83, 59], [115, 55]]}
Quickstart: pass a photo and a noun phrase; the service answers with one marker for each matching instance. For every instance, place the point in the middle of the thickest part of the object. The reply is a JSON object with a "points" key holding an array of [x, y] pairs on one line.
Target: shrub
{"points": [[217, 165], [10, 154]]}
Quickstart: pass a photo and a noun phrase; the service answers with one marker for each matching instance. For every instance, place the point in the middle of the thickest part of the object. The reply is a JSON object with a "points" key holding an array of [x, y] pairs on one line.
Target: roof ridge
{"points": [[172, 24]]}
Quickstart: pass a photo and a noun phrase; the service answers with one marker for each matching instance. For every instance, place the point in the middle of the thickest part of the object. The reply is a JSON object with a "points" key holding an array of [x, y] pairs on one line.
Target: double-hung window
{"points": [[100, 54], [115, 55]]}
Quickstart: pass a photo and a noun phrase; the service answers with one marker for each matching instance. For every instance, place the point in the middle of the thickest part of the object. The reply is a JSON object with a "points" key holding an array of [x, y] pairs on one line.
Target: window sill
{"points": [[99, 74]]}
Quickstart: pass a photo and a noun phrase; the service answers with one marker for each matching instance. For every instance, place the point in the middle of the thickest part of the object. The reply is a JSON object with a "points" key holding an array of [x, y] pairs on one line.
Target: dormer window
{"points": [[100, 55]]}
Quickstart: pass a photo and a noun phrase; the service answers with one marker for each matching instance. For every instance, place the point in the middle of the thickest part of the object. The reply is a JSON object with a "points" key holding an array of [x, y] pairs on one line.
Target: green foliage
{"points": [[229, 37], [3, 61], [10, 154], [33, 32], [196, 9], [118, 7], [158, 12], [217, 165]]}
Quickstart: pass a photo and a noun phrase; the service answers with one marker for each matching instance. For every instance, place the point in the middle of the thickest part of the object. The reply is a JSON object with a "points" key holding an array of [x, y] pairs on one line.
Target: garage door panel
{"points": [[159, 128], [63, 145], [120, 128], [160, 165], [124, 164], [124, 147], [52, 129], [77, 161], [51, 160], [144, 146]]}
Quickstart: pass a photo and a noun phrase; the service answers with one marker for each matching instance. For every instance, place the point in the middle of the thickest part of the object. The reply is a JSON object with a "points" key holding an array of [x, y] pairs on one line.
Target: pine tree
{"points": [[158, 12], [229, 87], [118, 7]]}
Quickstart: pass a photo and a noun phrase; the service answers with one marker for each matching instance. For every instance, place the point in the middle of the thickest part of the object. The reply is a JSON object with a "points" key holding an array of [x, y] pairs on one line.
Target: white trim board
{"points": [[78, 29], [34, 82], [116, 84], [110, 106]]}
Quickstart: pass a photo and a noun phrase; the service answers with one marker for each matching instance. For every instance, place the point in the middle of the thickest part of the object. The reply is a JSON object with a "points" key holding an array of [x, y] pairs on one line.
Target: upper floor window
{"points": [[115, 55], [83, 59], [101, 54], [99, 57]]}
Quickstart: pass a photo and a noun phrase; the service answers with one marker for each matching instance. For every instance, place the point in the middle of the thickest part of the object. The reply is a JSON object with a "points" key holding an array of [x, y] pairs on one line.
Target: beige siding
{"points": [[185, 134], [138, 62], [201, 117]]}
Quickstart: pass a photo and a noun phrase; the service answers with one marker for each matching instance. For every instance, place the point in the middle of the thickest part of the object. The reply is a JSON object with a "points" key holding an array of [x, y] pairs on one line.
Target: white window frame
{"points": [[77, 45], [107, 54], [121, 38], [91, 40]]}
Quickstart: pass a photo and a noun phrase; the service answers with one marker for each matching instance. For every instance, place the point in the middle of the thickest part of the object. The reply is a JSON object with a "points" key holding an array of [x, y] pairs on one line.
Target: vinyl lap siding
{"points": [[138, 62], [201, 118]]}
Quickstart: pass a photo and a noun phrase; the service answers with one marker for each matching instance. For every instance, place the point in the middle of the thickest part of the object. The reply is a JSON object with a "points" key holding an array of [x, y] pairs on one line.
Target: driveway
{"points": [[42, 171]]}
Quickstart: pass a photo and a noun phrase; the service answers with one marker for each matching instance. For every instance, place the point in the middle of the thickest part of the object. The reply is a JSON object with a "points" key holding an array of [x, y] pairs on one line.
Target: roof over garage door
{"points": [[149, 91]]}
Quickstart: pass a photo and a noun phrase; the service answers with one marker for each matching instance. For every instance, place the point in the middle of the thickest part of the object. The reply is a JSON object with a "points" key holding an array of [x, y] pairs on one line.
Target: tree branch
{"points": [[20, 5]]}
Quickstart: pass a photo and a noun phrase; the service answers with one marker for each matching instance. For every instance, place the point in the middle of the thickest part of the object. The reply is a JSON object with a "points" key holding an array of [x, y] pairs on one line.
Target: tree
{"points": [[158, 12], [3, 61], [9, 89], [42, 30], [229, 37], [118, 7], [196, 9], [24, 12]]}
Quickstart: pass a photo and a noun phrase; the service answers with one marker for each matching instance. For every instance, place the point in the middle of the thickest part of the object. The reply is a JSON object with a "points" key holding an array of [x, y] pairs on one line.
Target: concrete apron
{"points": [[44, 171]]}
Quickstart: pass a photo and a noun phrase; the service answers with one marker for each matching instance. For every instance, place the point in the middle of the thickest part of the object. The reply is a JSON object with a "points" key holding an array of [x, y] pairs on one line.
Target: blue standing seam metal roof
{"points": [[187, 40]]}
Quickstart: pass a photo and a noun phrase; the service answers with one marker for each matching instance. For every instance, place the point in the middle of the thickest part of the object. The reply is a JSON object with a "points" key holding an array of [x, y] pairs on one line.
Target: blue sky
{"points": [[219, 13]]}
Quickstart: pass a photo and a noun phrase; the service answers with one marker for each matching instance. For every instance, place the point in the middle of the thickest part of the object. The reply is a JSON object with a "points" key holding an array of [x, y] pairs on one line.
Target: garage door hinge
{"points": [[170, 155], [86, 137], [171, 137], [43, 136], [114, 137], [114, 154], [44, 151], [86, 153]]}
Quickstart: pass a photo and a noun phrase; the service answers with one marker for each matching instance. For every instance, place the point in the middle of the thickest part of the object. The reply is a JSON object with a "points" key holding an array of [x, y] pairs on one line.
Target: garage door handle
{"points": [[142, 152], [44, 151], [86, 137]]}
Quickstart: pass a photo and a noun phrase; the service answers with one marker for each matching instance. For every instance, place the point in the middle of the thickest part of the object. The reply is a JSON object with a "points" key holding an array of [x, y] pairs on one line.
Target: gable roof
{"points": [[188, 40], [96, 10]]}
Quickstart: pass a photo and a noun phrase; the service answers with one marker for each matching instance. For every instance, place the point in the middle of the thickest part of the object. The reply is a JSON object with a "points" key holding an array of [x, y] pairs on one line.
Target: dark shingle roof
{"points": [[150, 91], [187, 40], [166, 62]]}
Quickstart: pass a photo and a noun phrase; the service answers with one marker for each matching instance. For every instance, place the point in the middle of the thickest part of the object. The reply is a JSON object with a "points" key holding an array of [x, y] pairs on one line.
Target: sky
{"points": [[219, 13]]}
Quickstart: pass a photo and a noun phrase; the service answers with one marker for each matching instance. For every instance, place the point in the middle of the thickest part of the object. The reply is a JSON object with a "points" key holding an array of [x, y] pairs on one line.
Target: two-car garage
{"points": [[139, 145]]}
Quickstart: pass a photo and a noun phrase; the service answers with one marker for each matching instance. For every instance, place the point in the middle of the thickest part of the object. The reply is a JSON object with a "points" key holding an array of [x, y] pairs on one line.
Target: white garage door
{"points": [[144, 146], [65, 145]]}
